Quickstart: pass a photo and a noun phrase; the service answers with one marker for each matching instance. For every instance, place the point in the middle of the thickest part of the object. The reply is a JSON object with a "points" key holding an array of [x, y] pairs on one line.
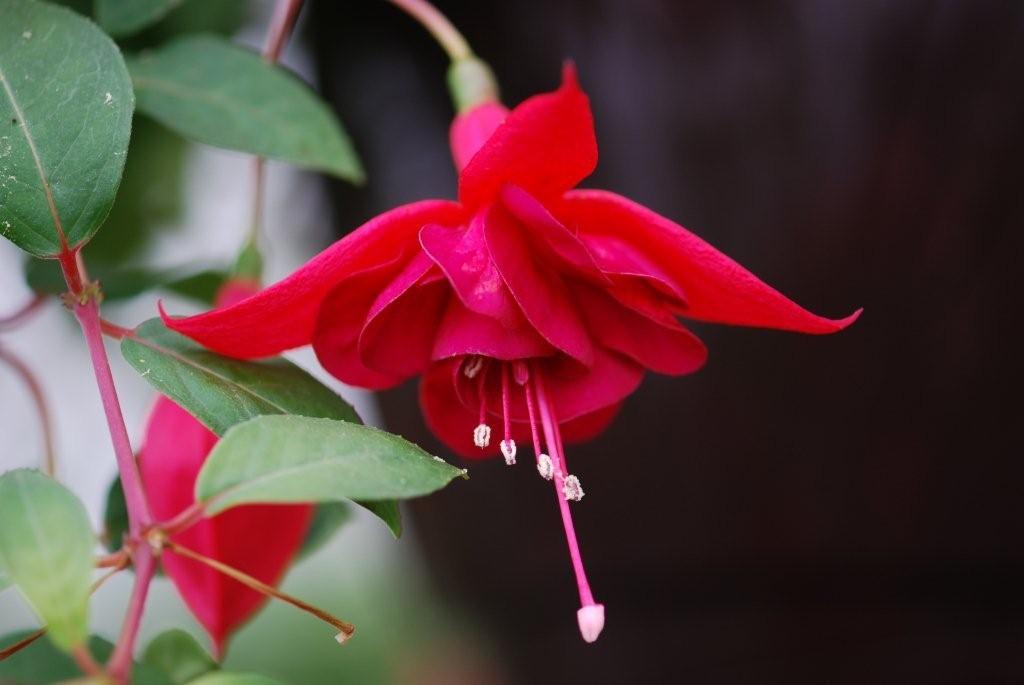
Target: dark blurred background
{"points": [[823, 510]]}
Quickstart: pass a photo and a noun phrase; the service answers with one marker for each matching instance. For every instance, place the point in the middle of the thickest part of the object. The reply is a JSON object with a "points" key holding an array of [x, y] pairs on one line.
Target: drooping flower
{"points": [[527, 306], [260, 540]]}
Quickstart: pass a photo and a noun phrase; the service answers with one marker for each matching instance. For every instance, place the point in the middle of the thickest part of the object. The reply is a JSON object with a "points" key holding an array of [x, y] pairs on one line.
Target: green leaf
{"points": [[210, 90], [222, 392], [178, 655], [119, 284], [299, 459], [4, 583], [115, 517], [46, 549], [65, 119], [328, 518], [41, 663], [234, 679], [125, 17]]}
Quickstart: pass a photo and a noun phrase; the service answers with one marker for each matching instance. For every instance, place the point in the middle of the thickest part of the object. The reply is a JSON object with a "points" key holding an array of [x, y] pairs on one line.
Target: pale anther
{"points": [[482, 435], [572, 489], [508, 450], [472, 367], [544, 467]]}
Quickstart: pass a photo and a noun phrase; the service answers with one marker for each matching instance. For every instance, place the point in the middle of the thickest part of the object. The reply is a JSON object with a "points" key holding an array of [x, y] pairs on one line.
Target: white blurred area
{"points": [[214, 223]]}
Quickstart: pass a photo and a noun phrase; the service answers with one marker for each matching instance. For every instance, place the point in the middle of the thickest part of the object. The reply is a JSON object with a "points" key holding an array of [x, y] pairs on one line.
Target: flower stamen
{"points": [[572, 489], [482, 433], [508, 445], [482, 436]]}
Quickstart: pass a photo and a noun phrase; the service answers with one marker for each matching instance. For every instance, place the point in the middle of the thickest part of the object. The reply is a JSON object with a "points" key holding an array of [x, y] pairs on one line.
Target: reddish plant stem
{"points": [[281, 25], [139, 517], [346, 630], [183, 520], [121, 660], [86, 662], [112, 330], [8, 652], [43, 411], [21, 315], [86, 311]]}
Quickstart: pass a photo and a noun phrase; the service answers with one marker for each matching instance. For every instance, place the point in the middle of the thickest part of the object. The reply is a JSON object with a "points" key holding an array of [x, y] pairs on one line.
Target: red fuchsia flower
{"points": [[526, 305], [260, 540]]}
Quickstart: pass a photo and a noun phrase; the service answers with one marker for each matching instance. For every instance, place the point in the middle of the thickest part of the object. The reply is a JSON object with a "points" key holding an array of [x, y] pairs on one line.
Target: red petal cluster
{"points": [[585, 285], [260, 540]]}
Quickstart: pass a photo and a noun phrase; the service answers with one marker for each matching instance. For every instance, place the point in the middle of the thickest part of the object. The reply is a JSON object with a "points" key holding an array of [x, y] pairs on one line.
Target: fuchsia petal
{"points": [[545, 146], [284, 315], [452, 415], [659, 344], [633, 272], [342, 319], [176, 446], [446, 416], [400, 330], [466, 261], [550, 237], [576, 390], [472, 129], [540, 293], [717, 288], [464, 332]]}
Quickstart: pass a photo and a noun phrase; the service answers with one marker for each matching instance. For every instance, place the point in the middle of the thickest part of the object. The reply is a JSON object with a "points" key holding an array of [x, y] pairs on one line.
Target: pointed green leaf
{"points": [[210, 90], [301, 459], [125, 17], [65, 118], [46, 549], [41, 663], [221, 392], [178, 655]]}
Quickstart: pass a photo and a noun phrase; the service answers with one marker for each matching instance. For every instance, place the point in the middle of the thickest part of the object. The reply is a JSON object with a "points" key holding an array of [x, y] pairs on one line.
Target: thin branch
{"points": [[112, 330], [346, 629], [281, 25], [8, 652], [42, 409], [121, 660], [139, 516], [86, 662], [186, 519], [22, 314]]}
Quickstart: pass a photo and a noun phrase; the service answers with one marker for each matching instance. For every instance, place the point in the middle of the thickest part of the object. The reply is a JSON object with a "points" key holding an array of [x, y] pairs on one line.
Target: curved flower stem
{"points": [[440, 28], [21, 315], [346, 629], [29, 378]]}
